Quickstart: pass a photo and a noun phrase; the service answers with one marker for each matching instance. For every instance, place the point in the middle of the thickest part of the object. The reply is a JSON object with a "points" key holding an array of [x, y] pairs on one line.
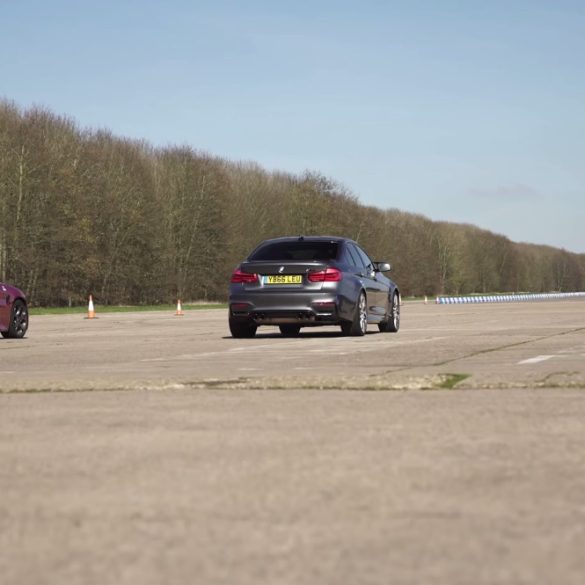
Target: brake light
{"points": [[328, 275], [244, 277]]}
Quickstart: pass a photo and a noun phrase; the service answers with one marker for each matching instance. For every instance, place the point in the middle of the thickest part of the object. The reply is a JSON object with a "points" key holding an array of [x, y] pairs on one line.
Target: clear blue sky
{"points": [[466, 111]]}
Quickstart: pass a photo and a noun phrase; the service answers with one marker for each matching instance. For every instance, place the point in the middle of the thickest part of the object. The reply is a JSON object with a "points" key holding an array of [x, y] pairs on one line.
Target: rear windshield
{"points": [[300, 250]]}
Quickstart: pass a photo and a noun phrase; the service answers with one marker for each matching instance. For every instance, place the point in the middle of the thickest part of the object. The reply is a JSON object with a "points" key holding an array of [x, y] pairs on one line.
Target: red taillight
{"points": [[328, 275], [244, 277]]}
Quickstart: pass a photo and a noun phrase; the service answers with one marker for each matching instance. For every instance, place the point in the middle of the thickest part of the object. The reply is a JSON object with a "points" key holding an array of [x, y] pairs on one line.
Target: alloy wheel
{"points": [[363, 313], [396, 312]]}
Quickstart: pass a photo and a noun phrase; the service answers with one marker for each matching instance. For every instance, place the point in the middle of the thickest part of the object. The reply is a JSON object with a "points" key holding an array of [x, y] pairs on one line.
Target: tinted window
{"points": [[353, 256], [345, 257], [299, 250], [367, 262]]}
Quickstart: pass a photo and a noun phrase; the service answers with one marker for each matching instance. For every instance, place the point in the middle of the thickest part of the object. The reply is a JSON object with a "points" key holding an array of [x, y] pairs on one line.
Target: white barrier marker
{"points": [[508, 298]]}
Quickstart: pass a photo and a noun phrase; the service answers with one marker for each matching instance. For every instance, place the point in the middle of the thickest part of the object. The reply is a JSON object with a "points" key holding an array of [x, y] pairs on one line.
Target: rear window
{"points": [[300, 250]]}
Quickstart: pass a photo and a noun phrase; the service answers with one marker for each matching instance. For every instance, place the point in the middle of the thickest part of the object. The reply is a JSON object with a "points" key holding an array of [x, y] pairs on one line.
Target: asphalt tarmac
{"points": [[318, 460]]}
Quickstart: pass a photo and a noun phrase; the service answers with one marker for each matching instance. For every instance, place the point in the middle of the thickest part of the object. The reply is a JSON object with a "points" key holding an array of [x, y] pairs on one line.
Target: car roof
{"points": [[307, 239]]}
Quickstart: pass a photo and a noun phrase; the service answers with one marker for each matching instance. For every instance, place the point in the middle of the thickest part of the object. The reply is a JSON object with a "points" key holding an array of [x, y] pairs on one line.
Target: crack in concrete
{"points": [[436, 382], [507, 346]]}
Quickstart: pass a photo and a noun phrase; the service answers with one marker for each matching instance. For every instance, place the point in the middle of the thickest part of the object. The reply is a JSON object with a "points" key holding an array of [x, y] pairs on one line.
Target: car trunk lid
{"points": [[285, 269]]}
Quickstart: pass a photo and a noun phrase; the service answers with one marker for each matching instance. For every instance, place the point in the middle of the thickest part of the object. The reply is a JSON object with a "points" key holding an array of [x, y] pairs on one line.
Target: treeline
{"points": [[83, 211]]}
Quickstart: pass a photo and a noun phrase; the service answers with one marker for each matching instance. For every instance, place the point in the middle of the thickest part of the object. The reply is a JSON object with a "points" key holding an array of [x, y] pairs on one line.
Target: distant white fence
{"points": [[508, 298]]}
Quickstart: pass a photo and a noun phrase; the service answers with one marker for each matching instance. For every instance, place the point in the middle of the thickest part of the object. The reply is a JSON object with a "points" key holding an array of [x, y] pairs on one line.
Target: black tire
{"points": [[290, 330], [242, 329], [391, 323], [358, 326], [18, 321]]}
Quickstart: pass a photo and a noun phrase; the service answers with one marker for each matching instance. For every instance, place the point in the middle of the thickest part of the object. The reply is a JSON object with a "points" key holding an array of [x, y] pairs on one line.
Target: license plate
{"points": [[283, 279]]}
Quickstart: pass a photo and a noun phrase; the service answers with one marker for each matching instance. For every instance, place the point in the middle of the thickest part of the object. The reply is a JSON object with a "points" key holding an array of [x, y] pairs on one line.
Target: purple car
{"points": [[13, 312]]}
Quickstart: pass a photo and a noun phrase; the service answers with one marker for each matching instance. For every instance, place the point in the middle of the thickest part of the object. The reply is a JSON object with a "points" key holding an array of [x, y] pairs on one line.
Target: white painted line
{"points": [[536, 360]]}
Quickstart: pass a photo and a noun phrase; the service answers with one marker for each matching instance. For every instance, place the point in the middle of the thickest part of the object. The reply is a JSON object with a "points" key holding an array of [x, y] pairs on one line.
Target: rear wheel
{"points": [[359, 324], [290, 330], [18, 321], [391, 323], [242, 329]]}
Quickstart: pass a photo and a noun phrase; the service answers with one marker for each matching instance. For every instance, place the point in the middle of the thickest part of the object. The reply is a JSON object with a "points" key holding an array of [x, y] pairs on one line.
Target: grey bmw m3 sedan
{"points": [[297, 282]]}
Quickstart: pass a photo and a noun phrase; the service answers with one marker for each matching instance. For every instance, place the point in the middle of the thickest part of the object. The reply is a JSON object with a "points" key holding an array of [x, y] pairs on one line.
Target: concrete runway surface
{"points": [[540, 344], [195, 474]]}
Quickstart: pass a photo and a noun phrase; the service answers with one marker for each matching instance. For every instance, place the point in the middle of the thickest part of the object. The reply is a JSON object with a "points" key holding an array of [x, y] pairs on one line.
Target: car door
{"points": [[375, 289], [4, 309]]}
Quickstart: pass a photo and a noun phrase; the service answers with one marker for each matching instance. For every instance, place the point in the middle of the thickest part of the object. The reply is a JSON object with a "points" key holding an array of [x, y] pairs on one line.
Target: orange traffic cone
{"points": [[90, 309], [179, 310]]}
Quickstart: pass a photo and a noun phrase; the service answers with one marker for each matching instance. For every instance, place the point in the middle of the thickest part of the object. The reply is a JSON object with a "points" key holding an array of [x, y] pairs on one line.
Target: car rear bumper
{"points": [[273, 309]]}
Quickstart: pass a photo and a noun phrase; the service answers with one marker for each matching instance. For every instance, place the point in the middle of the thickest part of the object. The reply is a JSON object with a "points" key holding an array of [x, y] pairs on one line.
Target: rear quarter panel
{"points": [[8, 294]]}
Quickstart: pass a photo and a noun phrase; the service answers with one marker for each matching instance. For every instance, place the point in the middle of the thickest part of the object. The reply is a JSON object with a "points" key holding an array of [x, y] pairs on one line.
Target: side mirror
{"points": [[383, 267]]}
